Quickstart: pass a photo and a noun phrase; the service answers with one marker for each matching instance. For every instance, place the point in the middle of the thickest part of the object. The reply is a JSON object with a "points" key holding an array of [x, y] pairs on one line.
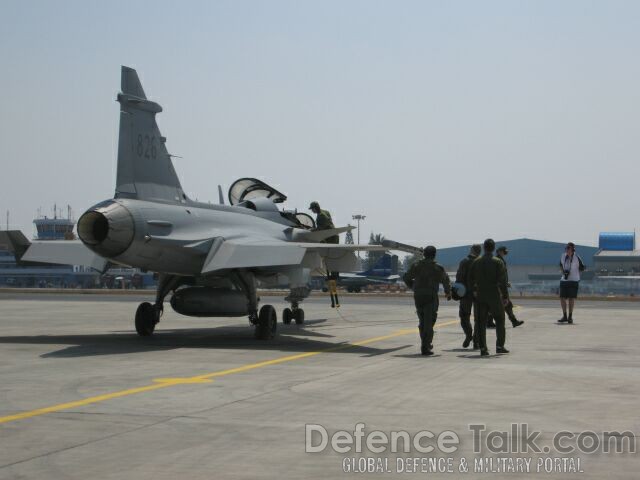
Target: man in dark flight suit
{"points": [[502, 252], [323, 221], [467, 304], [489, 280], [424, 278]]}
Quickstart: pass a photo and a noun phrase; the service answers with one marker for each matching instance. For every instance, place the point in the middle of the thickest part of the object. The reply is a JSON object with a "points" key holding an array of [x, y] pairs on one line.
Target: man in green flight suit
{"points": [[323, 221], [489, 280], [424, 278], [467, 303], [502, 252]]}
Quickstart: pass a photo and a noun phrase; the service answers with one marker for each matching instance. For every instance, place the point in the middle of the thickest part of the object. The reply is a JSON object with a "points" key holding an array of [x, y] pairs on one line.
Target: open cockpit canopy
{"points": [[250, 189]]}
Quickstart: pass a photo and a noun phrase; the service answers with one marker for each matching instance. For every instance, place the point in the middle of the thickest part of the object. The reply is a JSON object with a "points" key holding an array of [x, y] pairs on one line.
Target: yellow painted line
{"points": [[81, 403], [206, 378]]}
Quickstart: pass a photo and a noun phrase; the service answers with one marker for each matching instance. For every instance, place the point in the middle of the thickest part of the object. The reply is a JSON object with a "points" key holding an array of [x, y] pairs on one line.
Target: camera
{"points": [[566, 274]]}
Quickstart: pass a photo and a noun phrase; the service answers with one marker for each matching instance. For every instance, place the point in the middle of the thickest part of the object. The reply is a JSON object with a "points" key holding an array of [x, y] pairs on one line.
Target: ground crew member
{"points": [[424, 278], [502, 252], [488, 278], [467, 304], [324, 222]]}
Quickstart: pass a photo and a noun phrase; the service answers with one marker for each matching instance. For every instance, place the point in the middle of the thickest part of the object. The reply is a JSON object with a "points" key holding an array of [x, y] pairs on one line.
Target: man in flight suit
{"points": [[324, 222], [489, 281], [502, 252], [467, 305], [424, 278]]}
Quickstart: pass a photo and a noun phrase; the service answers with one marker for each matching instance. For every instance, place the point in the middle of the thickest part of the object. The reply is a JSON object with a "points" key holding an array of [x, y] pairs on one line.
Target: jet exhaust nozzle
{"points": [[107, 229]]}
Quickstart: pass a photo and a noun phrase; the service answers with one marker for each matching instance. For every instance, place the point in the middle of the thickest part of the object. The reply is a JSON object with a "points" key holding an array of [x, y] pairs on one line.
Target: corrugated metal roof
{"points": [[616, 254], [522, 251]]}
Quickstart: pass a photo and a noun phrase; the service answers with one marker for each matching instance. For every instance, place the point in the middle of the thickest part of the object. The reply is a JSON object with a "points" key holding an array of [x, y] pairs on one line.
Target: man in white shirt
{"points": [[571, 265]]}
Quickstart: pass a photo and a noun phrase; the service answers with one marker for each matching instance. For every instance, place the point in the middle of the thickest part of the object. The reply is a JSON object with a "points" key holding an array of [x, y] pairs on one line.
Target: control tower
{"points": [[56, 228]]}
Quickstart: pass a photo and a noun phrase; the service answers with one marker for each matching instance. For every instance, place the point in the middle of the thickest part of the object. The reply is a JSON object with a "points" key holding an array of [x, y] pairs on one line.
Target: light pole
{"points": [[357, 218]]}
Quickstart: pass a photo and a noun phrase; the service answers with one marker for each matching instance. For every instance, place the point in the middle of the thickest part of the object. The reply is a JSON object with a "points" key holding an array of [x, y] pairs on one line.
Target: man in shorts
{"points": [[571, 265]]}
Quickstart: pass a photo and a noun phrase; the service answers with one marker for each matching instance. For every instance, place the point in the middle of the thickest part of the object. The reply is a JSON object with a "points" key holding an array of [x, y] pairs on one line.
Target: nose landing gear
{"points": [[294, 313]]}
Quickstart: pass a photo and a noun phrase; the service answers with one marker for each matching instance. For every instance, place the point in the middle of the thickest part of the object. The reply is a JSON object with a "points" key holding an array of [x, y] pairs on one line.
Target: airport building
{"points": [[617, 255]]}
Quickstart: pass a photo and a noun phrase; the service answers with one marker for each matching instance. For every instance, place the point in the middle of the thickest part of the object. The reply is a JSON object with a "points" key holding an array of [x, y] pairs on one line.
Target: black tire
{"points": [[350, 289], [287, 315], [299, 316], [325, 289], [267, 323], [357, 289], [146, 319]]}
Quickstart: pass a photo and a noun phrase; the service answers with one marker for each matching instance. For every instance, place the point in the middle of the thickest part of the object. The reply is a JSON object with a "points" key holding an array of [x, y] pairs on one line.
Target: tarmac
{"points": [[82, 396]]}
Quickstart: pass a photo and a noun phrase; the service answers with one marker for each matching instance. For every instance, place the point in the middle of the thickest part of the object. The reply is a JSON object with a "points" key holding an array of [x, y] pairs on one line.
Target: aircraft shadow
{"points": [[291, 338]]}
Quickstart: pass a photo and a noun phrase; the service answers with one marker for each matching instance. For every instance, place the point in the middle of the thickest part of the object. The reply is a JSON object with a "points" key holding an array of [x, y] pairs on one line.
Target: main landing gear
{"points": [[148, 315], [266, 323], [265, 320]]}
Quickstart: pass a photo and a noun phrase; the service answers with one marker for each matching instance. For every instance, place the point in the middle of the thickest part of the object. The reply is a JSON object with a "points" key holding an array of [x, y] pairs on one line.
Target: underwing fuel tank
{"points": [[209, 302], [107, 229]]}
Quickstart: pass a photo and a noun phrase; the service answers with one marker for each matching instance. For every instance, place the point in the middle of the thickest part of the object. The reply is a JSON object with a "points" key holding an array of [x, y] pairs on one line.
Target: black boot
{"points": [[467, 341], [564, 319], [425, 350], [570, 319], [516, 323]]}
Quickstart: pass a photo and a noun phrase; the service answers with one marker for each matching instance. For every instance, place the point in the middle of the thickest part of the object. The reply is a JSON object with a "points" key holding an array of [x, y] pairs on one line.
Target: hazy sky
{"points": [[443, 122]]}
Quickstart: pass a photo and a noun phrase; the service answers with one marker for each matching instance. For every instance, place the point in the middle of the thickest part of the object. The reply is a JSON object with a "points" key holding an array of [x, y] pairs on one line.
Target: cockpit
{"points": [[256, 195]]}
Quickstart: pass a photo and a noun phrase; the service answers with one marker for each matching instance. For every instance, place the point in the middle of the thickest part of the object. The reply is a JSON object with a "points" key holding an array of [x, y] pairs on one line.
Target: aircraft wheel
{"points": [[146, 319], [267, 323], [287, 315], [299, 316], [350, 289], [357, 289]]}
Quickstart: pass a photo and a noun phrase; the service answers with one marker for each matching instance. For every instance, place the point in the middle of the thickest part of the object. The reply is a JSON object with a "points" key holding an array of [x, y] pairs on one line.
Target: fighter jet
{"points": [[209, 257]]}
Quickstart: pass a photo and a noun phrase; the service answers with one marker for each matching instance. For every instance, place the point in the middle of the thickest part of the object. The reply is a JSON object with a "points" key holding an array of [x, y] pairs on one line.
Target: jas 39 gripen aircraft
{"points": [[211, 257]]}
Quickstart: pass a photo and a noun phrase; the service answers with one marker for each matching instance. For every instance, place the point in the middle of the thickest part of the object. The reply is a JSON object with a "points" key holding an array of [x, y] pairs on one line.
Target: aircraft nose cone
{"points": [[107, 229]]}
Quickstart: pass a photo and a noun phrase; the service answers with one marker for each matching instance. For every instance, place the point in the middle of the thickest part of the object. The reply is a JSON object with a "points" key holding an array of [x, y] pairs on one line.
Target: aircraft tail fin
{"points": [[16, 242], [130, 83], [145, 170], [394, 264]]}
